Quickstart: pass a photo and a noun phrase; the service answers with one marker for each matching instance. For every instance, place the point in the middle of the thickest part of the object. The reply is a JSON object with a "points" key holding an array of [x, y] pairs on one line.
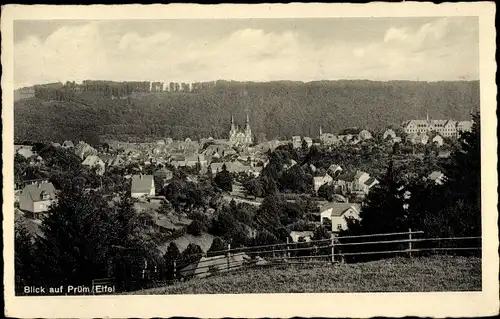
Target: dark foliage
{"points": [[101, 109]]}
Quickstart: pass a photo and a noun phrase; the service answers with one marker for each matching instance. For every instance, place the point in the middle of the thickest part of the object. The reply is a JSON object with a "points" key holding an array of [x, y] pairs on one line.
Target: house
{"points": [[189, 161], [320, 181], [346, 138], [296, 141], [164, 174], [369, 183], [117, 161], [298, 235], [438, 140], [464, 126], [68, 144], [94, 161], [421, 138], [365, 135], [309, 141], [256, 170], [207, 266], [437, 177], [25, 151], [328, 139], [389, 133], [397, 139], [36, 198], [334, 170], [352, 181], [338, 212], [361, 177], [142, 186], [83, 150], [232, 167], [444, 154]]}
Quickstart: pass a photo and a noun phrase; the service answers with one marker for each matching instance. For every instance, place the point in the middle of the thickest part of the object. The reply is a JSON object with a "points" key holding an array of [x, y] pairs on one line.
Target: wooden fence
{"points": [[326, 251]]}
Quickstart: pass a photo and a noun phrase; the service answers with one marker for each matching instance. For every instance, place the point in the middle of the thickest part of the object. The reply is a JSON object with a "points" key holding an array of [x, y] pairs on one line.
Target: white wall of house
{"points": [[340, 221], [42, 206], [143, 194]]}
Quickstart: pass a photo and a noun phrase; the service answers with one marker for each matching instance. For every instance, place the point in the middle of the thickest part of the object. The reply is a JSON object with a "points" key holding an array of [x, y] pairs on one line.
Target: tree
{"points": [[224, 180], [86, 238], [25, 260], [218, 245], [326, 191], [191, 254], [383, 210], [195, 228], [295, 179], [254, 187], [320, 233], [171, 256]]}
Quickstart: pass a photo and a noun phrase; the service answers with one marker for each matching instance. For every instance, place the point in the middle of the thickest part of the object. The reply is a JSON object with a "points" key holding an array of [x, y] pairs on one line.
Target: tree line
{"points": [[276, 109]]}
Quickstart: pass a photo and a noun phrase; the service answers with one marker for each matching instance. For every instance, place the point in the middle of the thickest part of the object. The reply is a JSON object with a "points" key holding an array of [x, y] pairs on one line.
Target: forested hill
{"points": [[278, 109]]}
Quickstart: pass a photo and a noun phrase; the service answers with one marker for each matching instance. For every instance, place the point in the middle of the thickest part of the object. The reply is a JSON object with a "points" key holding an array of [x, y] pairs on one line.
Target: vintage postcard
{"points": [[250, 161]]}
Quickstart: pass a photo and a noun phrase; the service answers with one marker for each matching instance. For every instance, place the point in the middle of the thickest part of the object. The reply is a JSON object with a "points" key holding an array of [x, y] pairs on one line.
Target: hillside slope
{"points": [[424, 274], [278, 109]]}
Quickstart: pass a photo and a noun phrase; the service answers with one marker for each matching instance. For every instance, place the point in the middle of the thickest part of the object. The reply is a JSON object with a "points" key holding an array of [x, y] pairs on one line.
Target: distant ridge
{"points": [[129, 110]]}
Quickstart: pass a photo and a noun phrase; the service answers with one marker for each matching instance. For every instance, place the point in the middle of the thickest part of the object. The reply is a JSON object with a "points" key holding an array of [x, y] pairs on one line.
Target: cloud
{"points": [[439, 50], [395, 34]]}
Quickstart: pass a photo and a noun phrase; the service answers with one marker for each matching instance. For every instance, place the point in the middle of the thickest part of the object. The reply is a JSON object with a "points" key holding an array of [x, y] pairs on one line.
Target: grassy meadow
{"points": [[423, 274]]}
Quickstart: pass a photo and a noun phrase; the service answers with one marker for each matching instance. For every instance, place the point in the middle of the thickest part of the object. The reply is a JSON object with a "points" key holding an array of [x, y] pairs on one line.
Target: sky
{"points": [[306, 49]]}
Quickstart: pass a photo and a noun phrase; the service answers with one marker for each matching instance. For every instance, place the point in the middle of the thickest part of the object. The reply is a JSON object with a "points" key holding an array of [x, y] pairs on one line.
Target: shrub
{"points": [[195, 228]]}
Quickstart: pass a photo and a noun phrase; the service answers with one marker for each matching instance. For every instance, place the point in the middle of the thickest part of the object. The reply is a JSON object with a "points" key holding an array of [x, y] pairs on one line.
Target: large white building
{"points": [[446, 128]]}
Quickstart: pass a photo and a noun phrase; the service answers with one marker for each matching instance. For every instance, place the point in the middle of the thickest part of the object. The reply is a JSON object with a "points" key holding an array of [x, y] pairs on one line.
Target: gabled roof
{"points": [[347, 176], [338, 209], [369, 182], [436, 175], [35, 190], [163, 172], [202, 267], [302, 233], [359, 174], [68, 144], [142, 183], [92, 160]]}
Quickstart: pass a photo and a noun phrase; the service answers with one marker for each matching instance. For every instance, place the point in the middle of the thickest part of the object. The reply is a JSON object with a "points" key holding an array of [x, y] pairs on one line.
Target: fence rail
{"points": [[324, 251]]}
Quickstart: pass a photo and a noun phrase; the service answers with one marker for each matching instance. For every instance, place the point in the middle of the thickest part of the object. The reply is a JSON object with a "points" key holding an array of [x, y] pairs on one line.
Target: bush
{"points": [[195, 228]]}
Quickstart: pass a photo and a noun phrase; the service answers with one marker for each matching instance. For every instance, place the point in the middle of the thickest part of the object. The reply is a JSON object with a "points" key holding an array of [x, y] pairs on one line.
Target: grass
{"points": [[423, 274]]}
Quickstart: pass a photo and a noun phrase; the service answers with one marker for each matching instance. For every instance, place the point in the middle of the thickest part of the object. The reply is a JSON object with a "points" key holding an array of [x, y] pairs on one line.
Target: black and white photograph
{"points": [[183, 155]]}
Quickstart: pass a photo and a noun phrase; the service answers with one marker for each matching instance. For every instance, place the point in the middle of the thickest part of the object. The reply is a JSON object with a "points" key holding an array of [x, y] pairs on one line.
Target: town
{"points": [[199, 196]]}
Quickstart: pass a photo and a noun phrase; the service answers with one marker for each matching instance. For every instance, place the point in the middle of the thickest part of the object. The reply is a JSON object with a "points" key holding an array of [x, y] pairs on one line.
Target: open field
{"points": [[424, 274]]}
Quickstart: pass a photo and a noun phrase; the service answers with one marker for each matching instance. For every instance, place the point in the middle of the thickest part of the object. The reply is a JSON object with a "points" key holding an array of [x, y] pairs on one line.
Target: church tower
{"points": [[232, 132], [248, 131]]}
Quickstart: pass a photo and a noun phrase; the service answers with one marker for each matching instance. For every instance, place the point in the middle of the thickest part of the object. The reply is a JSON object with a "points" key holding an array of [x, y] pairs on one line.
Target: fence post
{"points": [[333, 249], [175, 270], [409, 243], [287, 254], [228, 255]]}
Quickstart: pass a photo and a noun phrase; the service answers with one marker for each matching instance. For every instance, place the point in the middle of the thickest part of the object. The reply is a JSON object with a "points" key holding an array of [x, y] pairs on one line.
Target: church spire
{"points": [[233, 128], [320, 131], [427, 116]]}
